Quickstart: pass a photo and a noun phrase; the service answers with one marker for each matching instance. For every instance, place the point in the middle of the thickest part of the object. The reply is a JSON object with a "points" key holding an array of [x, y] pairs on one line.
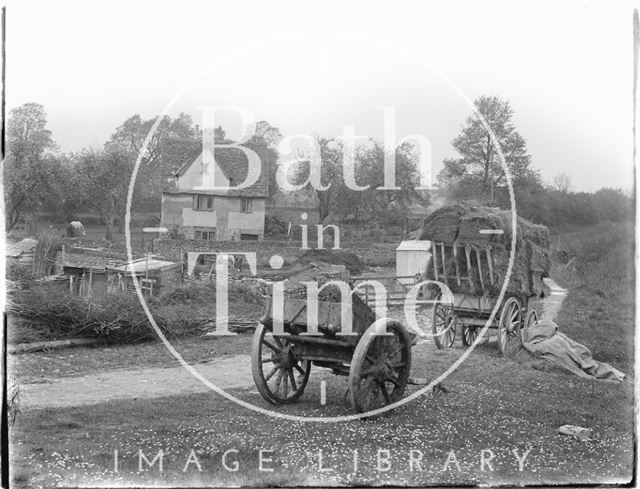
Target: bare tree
{"points": [[562, 183]]}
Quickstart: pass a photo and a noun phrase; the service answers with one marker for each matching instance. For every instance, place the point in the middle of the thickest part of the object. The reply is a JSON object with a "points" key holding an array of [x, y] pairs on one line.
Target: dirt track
{"points": [[227, 373]]}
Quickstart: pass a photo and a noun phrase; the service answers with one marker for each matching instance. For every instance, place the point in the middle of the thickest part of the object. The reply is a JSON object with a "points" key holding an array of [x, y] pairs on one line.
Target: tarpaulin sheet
{"points": [[544, 341]]}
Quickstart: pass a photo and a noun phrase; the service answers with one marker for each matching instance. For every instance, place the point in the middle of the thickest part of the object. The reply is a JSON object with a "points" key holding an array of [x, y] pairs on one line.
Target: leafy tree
{"points": [[478, 170], [102, 179], [331, 175], [376, 202], [613, 205], [172, 137], [268, 136], [331, 181], [30, 157], [62, 198]]}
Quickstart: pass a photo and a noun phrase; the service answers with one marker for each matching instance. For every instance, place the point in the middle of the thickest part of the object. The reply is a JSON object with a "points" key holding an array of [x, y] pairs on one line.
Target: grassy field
{"points": [[495, 406]]}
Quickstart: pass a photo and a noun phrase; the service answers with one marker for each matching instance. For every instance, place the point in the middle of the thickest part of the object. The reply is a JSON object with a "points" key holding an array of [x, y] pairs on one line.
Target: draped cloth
{"points": [[544, 341]]}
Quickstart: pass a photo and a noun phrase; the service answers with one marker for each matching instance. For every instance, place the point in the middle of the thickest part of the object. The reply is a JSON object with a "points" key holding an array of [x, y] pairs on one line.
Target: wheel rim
{"points": [[279, 376], [532, 319], [470, 334], [380, 368], [509, 323], [443, 328]]}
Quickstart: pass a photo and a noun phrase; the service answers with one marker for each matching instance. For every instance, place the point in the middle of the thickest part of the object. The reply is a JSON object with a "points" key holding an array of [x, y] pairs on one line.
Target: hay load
{"points": [[459, 228]]}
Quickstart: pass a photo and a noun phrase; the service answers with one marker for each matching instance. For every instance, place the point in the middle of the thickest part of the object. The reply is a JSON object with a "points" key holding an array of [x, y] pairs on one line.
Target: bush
{"points": [[197, 293], [275, 226], [599, 258], [19, 275]]}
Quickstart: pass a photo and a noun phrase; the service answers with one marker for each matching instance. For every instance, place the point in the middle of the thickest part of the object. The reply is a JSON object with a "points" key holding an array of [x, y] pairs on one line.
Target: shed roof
{"points": [[140, 266], [414, 245], [27, 245]]}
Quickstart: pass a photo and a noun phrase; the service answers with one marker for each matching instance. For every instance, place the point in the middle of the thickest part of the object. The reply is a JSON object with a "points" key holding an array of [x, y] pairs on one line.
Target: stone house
{"points": [[195, 209]]}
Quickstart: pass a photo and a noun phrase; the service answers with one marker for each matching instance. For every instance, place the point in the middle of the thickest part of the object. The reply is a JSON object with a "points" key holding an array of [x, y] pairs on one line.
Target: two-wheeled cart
{"points": [[377, 365]]}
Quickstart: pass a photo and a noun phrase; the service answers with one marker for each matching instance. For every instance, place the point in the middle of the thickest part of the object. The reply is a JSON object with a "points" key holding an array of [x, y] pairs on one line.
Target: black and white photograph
{"points": [[319, 244]]}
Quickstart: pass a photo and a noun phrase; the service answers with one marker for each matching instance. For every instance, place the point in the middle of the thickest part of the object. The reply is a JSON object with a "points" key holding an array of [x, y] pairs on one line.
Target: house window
{"points": [[205, 234], [203, 202], [245, 205], [248, 237]]}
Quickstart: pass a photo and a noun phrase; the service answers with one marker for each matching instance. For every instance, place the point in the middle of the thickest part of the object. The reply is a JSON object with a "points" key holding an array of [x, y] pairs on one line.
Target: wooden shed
{"points": [[411, 258], [155, 276]]}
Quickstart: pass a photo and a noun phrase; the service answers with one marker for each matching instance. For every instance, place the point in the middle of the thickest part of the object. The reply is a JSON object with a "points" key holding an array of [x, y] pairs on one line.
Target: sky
{"points": [[316, 67]]}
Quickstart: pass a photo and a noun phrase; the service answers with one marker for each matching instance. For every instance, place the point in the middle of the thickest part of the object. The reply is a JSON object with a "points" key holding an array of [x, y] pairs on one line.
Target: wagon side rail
{"points": [[474, 257], [396, 287]]}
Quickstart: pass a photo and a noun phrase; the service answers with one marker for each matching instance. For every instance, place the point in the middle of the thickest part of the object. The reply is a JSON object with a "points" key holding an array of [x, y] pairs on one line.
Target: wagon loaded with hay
{"points": [[471, 248]]}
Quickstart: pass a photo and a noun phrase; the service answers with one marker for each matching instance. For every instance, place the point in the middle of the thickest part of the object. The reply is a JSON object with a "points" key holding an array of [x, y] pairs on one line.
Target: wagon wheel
{"points": [[532, 319], [443, 326], [509, 325], [380, 367], [279, 376], [469, 334]]}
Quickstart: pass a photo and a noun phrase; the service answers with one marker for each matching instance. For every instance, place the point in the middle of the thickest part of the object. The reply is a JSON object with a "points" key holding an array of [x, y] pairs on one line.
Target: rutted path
{"points": [[226, 373], [551, 305]]}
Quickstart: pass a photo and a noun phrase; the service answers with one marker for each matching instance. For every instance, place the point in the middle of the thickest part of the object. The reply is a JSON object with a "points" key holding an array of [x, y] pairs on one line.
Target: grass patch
{"points": [[596, 265]]}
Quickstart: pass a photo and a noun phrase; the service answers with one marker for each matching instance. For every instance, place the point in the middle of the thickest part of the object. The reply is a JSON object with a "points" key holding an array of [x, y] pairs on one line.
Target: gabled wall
{"points": [[194, 178]]}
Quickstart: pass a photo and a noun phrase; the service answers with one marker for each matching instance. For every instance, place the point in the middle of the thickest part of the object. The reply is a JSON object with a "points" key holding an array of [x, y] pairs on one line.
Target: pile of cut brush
{"points": [[460, 226]]}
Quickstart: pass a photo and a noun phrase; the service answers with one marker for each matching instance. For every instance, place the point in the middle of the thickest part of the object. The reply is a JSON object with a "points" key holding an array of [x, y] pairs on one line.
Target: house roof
{"points": [[234, 164]]}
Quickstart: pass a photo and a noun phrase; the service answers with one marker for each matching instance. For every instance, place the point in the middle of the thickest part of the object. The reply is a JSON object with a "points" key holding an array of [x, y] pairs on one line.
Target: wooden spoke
{"points": [[265, 342], [368, 371], [385, 392], [395, 365], [272, 373], [509, 323], [279, 379], [292, 378], [393, 381], [372, 356], [282, 352]]}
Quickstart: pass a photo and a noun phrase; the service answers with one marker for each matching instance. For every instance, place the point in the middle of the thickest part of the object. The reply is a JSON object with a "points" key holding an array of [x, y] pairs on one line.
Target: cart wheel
{"points": [[380, 367], [278, 375], [509, 325], [469, 334], [443, 327], [532, 319]]}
